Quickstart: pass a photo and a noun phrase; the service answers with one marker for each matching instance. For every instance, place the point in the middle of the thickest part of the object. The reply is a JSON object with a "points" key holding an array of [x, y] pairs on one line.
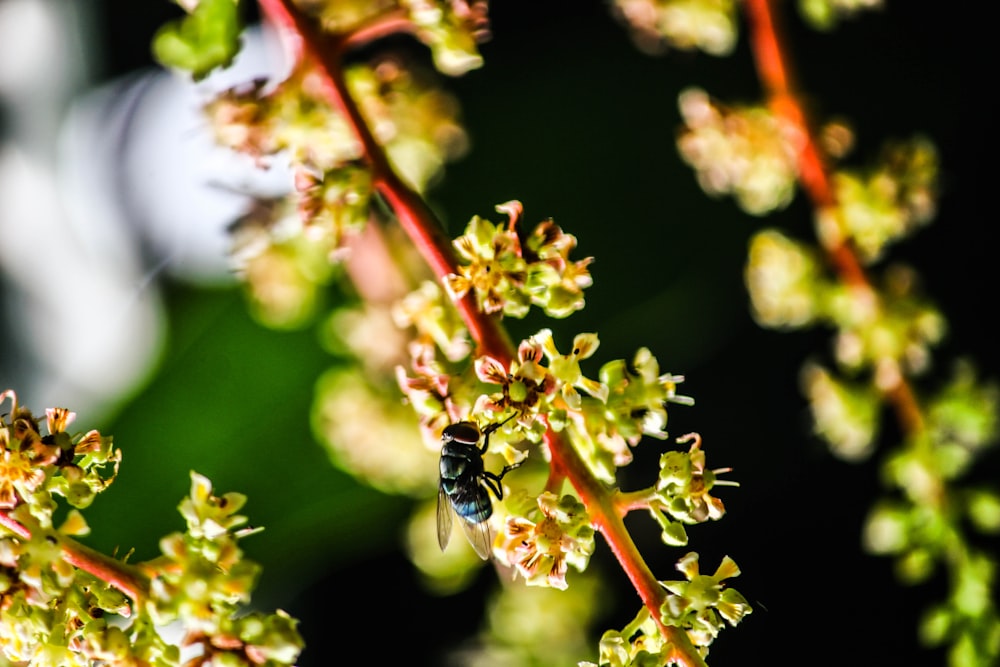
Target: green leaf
{"points": [[205, 39]]}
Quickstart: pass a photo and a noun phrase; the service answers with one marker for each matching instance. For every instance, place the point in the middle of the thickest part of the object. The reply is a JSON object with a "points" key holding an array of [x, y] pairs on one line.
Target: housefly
{"points": [[465, 484]]}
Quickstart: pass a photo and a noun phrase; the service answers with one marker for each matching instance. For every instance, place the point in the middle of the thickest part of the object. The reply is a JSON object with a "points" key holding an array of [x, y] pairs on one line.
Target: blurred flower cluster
{"points": [[62, 604], [656, 25]]}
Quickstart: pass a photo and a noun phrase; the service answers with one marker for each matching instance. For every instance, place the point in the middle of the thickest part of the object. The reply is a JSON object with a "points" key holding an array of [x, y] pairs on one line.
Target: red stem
{"points": [[769, 54], [492, 339], [109, 570]]}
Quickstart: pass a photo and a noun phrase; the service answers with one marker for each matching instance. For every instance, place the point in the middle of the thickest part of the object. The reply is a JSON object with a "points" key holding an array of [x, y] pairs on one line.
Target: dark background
{"points": [[568, 117]]}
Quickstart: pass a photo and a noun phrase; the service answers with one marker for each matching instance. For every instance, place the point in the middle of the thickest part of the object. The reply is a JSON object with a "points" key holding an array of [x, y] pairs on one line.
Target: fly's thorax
{"points": [[460, 460]]}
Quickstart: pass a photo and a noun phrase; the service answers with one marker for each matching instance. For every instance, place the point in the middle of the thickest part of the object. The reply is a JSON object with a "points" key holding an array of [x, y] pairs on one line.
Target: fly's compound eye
{"points": [[464, 432]]}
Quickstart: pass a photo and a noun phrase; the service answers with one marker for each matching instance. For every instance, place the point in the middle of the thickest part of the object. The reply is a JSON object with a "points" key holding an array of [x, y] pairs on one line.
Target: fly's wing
{"points": [[443, 518], [480, 537]]}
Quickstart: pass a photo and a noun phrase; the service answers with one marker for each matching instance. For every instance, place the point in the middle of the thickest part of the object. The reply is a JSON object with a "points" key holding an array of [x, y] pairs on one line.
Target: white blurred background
{"points": [[104, 187]]}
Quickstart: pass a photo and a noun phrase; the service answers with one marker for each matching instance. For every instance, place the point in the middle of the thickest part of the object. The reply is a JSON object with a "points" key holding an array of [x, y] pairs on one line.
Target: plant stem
{"points": [[492, 339], [769, 54], [114, 572]]}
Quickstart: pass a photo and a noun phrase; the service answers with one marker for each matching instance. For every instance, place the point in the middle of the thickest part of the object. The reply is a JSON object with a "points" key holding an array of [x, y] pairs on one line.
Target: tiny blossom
{"points": [[57, 419], [684, 484], [526, 385], [430, 392], [697, 603], [452, 34], [639, 644], [333, 205], [18, 478], [566, 367], [638, 394], [208, 515], [542, 551]]}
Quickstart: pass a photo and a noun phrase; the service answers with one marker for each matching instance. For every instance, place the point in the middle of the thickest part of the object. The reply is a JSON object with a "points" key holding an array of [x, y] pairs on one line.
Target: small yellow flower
{"points": [[566, 367], [19, 477]]}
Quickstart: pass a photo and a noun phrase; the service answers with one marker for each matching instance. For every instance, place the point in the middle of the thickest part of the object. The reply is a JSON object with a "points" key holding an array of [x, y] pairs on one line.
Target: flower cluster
{"points": [[747, 152], [541, 551], [886, 203], [508, 276], [682, 493], [285, 248], [889, 332], [709, 25], [202, 580], [683, 486], [33, 466], [700, 604], [54, 609], [825, 14], [451, 29], [845, 414]]}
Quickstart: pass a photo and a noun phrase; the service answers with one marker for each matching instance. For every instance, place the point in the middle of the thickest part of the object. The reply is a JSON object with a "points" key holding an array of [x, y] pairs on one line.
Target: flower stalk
{"points": [[770, 57], [310, 45]]}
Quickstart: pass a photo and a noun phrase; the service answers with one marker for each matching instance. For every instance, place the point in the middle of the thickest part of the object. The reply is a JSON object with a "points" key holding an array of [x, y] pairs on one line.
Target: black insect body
{"points": [[465, 484]]}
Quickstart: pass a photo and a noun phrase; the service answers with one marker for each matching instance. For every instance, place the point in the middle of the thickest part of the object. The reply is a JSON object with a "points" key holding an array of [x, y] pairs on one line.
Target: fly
{"points": [[465, 484]]}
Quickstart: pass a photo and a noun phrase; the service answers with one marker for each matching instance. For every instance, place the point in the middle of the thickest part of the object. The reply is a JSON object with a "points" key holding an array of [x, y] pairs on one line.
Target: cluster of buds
{"points": [[55, 614], [748, 152], [508, 272], [202, 580], [656, 25], [884, 204], [34, 467]]}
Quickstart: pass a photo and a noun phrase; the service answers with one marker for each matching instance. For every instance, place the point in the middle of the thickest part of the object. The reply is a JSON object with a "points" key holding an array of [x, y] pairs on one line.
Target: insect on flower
{"points": [[465, 484]]}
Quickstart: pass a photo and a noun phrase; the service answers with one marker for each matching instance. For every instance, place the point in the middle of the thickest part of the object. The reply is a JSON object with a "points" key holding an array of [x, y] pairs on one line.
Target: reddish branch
{"points": [[769, 54], [114, 572], [310, 45]]}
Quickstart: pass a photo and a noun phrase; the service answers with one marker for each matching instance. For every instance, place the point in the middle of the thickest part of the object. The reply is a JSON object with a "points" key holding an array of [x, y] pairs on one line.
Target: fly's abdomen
{"points": [[474, 507]]}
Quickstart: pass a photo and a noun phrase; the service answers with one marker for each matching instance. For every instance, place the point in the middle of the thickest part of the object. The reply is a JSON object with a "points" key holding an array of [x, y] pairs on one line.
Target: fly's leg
{"points": [[493, 482], [488, 430]]}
